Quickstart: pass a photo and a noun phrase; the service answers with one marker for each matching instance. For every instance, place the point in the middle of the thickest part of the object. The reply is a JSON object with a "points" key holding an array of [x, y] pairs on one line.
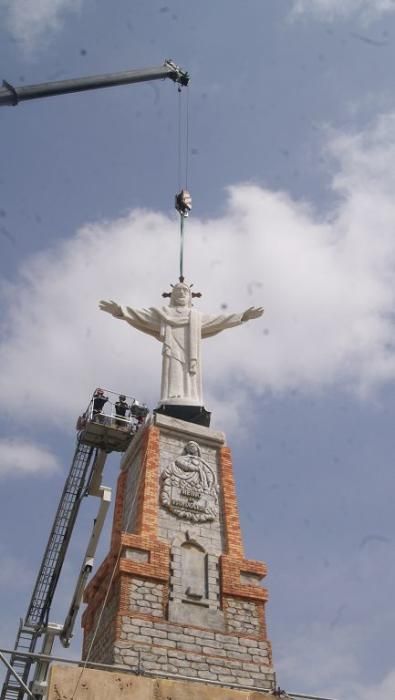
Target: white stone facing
{"points": [[242, 616], [163, 646], [189, 487], [146, 597], [209, 534], [191, 431], [195, 546]]}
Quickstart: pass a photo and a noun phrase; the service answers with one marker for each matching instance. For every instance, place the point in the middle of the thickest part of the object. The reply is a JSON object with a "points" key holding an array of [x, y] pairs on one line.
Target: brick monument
{"points": [[183, 599]]}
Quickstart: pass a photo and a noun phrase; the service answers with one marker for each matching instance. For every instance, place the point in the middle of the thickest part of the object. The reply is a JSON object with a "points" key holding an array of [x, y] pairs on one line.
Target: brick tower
{"points": [[175, 595]]}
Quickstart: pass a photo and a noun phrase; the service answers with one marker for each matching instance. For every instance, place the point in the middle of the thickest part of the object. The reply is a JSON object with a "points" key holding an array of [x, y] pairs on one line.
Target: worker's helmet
{"points": [[122, 397]]}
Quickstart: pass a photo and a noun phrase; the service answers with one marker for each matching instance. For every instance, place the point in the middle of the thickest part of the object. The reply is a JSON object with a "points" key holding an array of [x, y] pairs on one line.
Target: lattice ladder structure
{"points": [[37, 615]]}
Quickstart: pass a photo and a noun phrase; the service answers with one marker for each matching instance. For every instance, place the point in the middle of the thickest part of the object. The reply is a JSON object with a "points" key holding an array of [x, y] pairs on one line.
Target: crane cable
{"points": [[187, 144], [183, 200]]}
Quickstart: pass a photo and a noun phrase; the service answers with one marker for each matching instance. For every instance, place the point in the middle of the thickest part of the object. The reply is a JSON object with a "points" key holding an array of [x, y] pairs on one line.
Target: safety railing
{"points": [[109, 408]]}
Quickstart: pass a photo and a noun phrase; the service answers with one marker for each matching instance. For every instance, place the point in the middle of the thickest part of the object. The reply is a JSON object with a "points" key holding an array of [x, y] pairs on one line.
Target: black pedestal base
{"points": [[191, 414]]}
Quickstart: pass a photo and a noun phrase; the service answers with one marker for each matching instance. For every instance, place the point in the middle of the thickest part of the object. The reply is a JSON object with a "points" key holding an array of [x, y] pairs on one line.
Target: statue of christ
{"points": [[179, 327]]}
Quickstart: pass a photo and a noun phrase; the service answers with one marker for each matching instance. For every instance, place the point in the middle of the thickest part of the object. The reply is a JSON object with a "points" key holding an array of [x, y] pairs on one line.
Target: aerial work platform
{"points": [[110, 424]]}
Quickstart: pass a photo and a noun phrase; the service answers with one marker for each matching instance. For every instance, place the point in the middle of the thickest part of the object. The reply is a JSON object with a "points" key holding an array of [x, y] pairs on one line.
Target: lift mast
{"points": [[36, 619], [99, 433]]}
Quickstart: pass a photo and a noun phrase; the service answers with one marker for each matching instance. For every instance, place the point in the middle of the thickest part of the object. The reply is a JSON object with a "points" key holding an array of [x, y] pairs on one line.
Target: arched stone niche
{"points": [[194, 573], [194, 584]]}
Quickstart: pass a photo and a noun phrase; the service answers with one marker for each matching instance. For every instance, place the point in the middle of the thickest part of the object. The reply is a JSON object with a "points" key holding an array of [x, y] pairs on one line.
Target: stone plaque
{"points": [[189, 487]]}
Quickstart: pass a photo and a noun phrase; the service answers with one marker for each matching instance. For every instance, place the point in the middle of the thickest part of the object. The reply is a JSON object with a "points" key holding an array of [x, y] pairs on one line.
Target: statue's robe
{"points": [[180, 329]]}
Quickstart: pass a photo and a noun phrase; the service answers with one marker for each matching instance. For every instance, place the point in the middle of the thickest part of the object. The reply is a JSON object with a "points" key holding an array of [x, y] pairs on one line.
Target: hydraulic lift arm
{"points": [[104, 494], [11, 96]]}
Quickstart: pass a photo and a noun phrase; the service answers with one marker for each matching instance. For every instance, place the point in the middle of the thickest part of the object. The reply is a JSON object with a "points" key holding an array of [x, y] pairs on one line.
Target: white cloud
{"points": [[330, 9], [18, 458], [328, 657], [31, 22], [385, 690], [323, 662], [327, 284]]}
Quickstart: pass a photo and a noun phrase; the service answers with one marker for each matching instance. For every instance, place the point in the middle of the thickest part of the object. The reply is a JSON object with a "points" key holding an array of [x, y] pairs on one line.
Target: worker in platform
{"points": [[99, 401], [121, 406]]}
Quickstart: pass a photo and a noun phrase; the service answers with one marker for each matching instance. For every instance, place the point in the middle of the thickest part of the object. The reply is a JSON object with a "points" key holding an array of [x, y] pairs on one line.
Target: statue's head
{"points": [[192, 448], [181, 295]]}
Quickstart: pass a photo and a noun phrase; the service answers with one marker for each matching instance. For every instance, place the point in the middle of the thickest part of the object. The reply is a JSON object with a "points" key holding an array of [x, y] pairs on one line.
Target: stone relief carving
{"points": [[189, 487]]}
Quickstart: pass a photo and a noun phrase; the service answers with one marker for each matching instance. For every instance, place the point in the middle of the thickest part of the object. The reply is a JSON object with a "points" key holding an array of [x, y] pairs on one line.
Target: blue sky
{"points": [[291, 168]]}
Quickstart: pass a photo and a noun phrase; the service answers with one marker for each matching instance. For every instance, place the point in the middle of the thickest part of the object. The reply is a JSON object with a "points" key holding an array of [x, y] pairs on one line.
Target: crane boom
{"points": [[11, 96]]}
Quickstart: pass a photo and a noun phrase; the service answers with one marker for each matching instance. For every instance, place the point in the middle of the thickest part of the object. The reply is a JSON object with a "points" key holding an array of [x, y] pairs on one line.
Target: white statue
{"points": [[179, 327]]}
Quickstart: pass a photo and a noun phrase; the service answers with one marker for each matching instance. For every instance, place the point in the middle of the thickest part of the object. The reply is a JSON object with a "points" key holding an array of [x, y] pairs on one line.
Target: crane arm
{"points": [[11, 96]]}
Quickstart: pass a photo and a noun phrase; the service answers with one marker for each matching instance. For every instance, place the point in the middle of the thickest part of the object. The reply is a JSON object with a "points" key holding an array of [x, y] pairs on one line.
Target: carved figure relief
{"points": [[189, 487]]}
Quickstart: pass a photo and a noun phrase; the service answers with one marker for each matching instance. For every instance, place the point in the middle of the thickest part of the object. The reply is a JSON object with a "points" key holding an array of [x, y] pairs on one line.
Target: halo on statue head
{"points": [[183, 285]]}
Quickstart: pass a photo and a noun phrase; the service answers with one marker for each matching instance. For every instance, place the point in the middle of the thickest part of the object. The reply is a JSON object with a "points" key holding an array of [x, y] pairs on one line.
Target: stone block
{"points": [[161, 634], [136, 555], [189, 431], [214, 652], [199, 665], [190, 647], [173, 653], [227, 639], [139, 638], [238, 655], [208, 675], [250, 643], [197, 615], [235, 647], [164, 642], [226, 679]]}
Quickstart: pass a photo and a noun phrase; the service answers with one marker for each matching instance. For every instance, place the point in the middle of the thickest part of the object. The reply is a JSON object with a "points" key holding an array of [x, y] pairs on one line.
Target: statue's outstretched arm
{"points": [[111, 307], [252, 312], [211, 325], [145, 320]]}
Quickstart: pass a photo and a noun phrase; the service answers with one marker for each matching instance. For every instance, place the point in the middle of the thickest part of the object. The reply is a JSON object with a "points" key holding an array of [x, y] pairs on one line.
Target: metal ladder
{"points": [[25, 641], [44, 589]]}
